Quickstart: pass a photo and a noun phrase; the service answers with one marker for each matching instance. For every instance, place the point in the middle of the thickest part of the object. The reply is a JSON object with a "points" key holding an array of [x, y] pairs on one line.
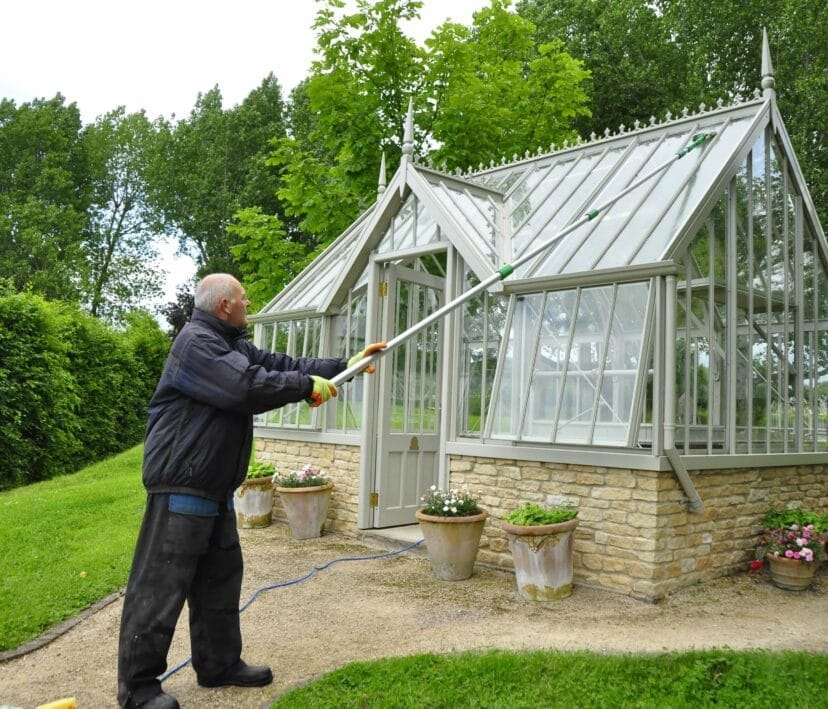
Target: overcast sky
{"points": [[158, 55]]}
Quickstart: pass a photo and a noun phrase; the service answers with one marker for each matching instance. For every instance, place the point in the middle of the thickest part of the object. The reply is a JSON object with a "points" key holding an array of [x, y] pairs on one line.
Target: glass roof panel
{"points": [[477, 216], [586, 245], [575, 188], [311, 287]]}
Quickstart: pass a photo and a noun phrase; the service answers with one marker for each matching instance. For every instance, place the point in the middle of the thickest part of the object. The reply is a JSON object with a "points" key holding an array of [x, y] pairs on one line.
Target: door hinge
{"points": [[383, 289], [374, 499]]}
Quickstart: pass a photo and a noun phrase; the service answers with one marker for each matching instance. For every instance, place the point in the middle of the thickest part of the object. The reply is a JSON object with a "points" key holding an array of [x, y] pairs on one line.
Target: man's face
{"points": [[236, 308]]}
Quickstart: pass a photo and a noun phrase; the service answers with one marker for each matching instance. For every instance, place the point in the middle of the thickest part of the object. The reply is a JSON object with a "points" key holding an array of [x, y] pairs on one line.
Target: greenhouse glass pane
{"points": [[477, 216], [550, 361], [586, 357], [701, 175], [501, 180], [631, 220], [533, 194], [344, 413], [403, 235], [427, 231], [810, 363], [621, 364], [557, 201], [506, 398], [586, 245], [473, 362]]}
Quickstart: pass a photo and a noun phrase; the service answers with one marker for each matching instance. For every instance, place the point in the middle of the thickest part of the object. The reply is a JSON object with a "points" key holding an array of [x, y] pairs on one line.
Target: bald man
{"points": [[196, 452]]}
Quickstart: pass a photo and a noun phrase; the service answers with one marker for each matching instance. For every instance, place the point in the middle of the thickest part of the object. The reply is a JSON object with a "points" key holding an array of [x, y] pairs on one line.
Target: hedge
{"points": [[72, 390]]}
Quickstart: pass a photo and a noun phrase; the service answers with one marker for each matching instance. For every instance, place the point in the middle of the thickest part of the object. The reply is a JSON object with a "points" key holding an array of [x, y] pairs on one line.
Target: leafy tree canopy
{"points": [[479, 93]]}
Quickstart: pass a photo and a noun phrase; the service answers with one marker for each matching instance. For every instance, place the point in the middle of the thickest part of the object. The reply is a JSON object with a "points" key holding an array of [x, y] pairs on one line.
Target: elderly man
{"points": [[197, 448]]}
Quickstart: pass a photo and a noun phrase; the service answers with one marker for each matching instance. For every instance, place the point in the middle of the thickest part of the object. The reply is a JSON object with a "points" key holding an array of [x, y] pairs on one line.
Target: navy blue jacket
{"points": [[200, 426]]}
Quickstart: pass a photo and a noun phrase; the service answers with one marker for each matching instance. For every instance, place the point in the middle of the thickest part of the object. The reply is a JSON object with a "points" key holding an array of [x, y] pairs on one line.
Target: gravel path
{"points": [[359, 610]]}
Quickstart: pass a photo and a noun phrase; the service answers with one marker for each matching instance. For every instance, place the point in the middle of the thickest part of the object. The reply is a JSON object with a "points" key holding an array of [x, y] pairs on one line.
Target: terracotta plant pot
{"points": [[542, 556], [452, 543], [253, 501], [791, 574], [306, 509]]}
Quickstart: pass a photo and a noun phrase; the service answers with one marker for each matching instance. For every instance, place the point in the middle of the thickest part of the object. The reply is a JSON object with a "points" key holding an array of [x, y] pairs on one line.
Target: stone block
{"points": [[611, 493]]}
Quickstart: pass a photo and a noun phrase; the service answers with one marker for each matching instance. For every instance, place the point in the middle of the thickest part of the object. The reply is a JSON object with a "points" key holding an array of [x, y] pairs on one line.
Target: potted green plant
{"points": [[305, 494], [540, 539], [452, 522], [793, 544], [253, 499]]}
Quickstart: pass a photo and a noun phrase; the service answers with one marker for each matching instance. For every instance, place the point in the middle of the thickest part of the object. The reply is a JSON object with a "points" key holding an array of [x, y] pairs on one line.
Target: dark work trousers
{"points": [[180, 556]]}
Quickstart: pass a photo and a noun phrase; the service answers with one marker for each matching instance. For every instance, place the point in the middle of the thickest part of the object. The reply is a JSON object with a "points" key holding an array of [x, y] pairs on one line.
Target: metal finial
{"points": [[408, 134], [768, 82], [383, 182]]}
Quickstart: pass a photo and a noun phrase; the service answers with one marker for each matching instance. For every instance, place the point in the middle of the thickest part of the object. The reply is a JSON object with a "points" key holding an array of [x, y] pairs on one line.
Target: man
{"points": [[196, 452]]}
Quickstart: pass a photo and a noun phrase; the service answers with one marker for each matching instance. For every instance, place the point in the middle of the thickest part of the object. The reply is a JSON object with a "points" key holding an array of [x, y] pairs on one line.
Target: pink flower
{"points": [[789, 553]]}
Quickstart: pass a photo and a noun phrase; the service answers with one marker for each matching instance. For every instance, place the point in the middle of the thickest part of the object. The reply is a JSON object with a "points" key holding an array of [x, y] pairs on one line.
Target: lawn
{"points": [[67, 543], [530, 680]]}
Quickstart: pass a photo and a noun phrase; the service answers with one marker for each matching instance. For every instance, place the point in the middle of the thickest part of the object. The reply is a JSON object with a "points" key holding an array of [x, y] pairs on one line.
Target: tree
{"points": [[119, 248], [212, 164], [479, 93], [45, 192], [636, 69], [495, 91]]}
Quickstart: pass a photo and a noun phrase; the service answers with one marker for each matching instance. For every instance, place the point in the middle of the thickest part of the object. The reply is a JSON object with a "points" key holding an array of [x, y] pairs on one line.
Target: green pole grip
{"points": [[505, 270], [695, 143]]}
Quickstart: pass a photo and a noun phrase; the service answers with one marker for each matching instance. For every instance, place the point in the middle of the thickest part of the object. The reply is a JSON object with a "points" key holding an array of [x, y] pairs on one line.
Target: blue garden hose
{"points": [[293, 582]]}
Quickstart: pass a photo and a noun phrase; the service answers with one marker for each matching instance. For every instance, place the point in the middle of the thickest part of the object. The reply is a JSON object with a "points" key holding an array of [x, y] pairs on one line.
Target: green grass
{"points": [[66, 543], [579, 679]]}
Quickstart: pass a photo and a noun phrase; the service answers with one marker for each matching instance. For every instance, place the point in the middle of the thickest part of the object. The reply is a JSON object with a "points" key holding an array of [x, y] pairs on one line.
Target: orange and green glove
{"points": [[323, 390], [370, 369]]}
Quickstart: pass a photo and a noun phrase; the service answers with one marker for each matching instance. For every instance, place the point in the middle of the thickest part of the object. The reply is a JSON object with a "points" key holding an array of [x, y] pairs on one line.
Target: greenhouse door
{"points": [[408, 426]]}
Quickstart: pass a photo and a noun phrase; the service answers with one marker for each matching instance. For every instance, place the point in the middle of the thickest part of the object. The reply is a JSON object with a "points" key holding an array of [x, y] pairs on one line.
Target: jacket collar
{"points": [[217, 324]]}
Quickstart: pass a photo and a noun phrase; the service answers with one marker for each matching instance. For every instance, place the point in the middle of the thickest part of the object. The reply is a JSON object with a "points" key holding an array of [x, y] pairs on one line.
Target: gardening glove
{"points": [[370, 369], [322, 391]]}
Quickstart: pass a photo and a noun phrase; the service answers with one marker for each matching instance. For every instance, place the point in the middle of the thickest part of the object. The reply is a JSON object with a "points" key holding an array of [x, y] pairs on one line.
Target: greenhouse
{"points": [[660, 365]]}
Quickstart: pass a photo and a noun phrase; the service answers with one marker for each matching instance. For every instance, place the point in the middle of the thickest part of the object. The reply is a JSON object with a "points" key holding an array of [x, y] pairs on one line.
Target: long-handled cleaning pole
{"points": [[507, 269]]}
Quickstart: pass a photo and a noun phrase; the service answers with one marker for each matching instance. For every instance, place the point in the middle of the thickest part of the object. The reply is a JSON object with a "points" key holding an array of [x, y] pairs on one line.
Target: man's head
{"points": [[223, 296]]}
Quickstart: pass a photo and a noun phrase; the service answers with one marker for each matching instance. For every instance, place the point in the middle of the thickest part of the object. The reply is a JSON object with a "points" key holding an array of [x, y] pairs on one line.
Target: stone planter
{"points": [[543, 559], [253, 501], [306, 509], [791, 574], [452, 543]]}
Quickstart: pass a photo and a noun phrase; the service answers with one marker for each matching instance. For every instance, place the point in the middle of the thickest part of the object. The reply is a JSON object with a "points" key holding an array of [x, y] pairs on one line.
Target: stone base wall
{"points": [[340, 464], [635, 534]]}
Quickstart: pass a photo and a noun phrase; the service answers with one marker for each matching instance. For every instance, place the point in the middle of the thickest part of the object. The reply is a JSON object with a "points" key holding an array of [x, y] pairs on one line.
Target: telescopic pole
{"points": [[507, 269]]}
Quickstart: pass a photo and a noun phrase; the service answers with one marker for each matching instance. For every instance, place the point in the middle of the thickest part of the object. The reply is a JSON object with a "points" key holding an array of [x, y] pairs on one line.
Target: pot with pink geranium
{"points": [[793, 544], [305, 495]]}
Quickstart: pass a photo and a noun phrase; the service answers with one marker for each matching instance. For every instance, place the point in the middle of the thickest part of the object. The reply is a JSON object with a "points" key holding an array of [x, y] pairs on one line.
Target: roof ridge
{"points": [[638, 127]]}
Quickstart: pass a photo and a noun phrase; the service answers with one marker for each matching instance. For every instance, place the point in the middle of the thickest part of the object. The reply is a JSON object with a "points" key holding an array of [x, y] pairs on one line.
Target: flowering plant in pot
{"points": [[452, 523], [793, 544], [450, 503], [306, 476], [305, 494], [253, 499], [540, 539]]}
